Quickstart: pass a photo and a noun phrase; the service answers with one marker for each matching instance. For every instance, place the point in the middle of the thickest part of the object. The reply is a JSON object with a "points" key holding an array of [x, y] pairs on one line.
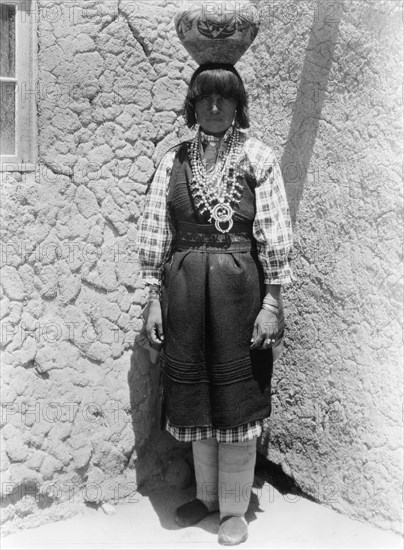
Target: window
{"points": [[17, 85]]}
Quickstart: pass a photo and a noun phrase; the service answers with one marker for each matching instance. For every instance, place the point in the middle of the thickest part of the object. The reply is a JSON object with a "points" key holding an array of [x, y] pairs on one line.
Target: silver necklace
{"points": [[219, 192]]}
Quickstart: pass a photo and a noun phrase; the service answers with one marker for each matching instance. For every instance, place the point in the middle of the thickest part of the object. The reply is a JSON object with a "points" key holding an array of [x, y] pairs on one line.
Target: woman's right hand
{"points": [[154, 324]]}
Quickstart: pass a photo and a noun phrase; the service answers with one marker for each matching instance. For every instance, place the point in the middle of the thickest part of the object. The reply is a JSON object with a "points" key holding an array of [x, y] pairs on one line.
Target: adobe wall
{"points": [[79, 393], [334, 112]]}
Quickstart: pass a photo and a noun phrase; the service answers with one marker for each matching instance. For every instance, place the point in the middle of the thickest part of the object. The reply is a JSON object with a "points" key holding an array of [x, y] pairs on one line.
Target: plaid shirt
{"points": [[271, 228]]}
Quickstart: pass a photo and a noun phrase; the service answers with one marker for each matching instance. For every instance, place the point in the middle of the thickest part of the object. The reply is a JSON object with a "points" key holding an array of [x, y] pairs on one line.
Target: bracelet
{"points": [[272, 304], [270, 308], [270, 301]]}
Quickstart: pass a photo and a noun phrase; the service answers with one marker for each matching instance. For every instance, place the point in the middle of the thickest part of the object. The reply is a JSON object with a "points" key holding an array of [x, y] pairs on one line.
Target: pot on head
{"points": [[217, 32]]}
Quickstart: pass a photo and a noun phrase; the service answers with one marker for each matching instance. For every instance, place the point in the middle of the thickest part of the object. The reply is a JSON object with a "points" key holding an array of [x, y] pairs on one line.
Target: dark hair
{"points": [[217, 78]]}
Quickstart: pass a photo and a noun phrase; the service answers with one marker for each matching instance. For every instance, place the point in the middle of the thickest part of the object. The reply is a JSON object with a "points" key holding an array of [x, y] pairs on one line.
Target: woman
{"points": [[214, 246]]}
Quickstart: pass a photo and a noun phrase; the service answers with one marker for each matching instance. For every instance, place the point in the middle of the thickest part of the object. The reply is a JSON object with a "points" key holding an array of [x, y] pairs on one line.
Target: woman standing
{"points": [[214, 246]]}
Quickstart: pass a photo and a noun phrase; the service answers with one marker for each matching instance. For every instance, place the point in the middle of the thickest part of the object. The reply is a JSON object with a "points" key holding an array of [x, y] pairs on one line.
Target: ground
{"points": [[276, 521]]}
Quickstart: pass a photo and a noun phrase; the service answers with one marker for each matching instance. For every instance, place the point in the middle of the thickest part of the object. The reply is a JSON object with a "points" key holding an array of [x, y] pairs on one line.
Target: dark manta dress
{"points": [[212, 291]]}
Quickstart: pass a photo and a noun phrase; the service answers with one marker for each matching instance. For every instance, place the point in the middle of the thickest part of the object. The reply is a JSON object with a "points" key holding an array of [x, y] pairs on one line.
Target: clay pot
{"points": [[217, 32]]}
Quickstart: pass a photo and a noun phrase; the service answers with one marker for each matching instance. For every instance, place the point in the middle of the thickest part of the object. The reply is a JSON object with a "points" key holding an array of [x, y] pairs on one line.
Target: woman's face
{"points": [[215, 113]]}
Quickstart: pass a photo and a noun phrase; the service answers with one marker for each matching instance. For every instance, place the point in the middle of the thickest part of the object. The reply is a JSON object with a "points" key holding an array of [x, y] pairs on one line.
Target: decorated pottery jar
{"points": [[217, 32]]}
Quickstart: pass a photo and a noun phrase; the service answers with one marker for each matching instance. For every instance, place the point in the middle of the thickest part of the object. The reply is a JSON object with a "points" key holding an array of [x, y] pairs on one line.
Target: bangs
{"points": [[217, 81]]}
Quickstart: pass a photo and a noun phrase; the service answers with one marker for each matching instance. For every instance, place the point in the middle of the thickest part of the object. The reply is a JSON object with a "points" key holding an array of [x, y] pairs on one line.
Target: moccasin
{"points": [[190, 513], [232, 530]]}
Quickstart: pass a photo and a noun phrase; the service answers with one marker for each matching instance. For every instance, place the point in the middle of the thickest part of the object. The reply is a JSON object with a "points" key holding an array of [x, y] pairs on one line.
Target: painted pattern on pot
{"points": [[217, 37]]}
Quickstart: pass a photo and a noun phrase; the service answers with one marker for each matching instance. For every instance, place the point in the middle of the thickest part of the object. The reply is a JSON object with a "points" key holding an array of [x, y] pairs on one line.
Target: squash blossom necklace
{"points": [[219, 192]]}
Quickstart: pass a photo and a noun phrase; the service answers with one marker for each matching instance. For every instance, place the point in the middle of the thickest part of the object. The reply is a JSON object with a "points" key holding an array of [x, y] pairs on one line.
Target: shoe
{"points": [[190, 513], [232, 530]]}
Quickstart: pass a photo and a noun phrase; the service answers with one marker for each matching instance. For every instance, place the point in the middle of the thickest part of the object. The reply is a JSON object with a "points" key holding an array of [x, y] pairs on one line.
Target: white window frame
{"points": [[25, 155]]}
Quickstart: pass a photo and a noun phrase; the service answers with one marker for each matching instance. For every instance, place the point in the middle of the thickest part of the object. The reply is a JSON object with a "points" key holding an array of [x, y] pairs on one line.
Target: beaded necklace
{"points": [[219, 192]]}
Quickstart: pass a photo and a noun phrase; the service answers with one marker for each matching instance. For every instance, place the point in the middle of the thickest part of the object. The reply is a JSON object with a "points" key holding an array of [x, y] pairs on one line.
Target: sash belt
{"points": [[206, 238]]}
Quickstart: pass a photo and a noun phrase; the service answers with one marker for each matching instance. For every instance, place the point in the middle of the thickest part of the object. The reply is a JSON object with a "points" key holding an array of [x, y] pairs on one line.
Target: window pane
{"points": [[7, 40], [7, 118]]}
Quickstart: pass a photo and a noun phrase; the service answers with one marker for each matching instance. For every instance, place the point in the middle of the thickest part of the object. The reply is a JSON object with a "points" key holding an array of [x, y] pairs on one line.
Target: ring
{"points": [[268, 342]]}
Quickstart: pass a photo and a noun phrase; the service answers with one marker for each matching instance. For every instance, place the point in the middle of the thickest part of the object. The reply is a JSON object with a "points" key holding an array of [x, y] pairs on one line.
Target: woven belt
{"points": [[205, 237]]}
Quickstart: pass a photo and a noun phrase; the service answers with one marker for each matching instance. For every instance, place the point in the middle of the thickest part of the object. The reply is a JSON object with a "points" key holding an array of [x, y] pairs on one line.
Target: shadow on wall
{"points": [[156, 454], [143, 385], [307, 110]]}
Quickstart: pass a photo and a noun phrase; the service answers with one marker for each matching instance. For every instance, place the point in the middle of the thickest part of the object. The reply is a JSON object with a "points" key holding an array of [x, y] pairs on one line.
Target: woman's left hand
{"points": [[266, 328]]}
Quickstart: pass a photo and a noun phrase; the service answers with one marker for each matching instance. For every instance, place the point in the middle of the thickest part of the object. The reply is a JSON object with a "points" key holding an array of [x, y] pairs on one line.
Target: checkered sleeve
{"points": [[155, 237], [272, 225]]}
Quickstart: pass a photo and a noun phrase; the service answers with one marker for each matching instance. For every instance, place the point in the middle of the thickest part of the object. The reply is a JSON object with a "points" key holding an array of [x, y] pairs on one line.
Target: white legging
{"points": [[224, 474]]}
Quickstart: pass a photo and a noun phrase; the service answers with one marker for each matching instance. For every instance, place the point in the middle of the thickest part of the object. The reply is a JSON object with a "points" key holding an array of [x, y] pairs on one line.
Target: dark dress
{"points": [[212, 292]]}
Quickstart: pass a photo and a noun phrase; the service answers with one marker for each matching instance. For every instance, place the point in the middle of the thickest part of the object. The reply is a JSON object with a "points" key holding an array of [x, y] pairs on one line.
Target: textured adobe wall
{"points": [[330, 94], [80, 394]]}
